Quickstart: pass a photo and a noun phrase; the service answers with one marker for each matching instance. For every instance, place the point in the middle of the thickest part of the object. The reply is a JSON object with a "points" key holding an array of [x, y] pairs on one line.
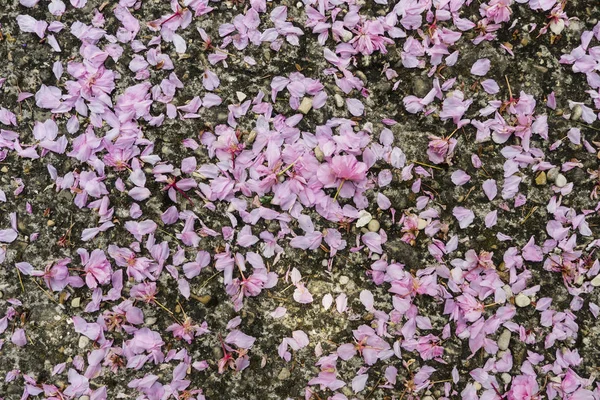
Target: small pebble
{"points": [[50, 223], [541, 179], [504, 340], [204, 299], [306, 105], [251, 137], [339, 100], [596, 281], [522, 301], [83, 342], [84, 397], [319, 155], [561, 180], [507, 290], [283, 374], [373, 225], [76, 302], [506, 378], [553, 174], [361, 75], [577, 112], [217, 352], [344, 280]]}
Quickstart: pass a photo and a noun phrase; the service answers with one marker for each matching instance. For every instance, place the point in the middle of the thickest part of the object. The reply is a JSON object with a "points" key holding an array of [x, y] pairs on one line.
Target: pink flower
{"points": [[56, 275], [328, 376], [497, 10], [250, 286], [188, 330], [440, 150], [96, 266], [370, 38], [454, 107], [145, 291], [348, 168], [524, 387], [470, 307]]}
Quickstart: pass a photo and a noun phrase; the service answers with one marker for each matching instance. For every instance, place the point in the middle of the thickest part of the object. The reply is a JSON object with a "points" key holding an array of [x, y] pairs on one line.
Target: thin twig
{"points": [[427, 165], [48, 294], [208, 280], [529, 214], [374, 388], [21, 280], [587, 126]]}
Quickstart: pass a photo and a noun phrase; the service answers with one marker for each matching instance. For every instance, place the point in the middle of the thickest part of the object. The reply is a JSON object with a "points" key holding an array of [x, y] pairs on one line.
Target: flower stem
{"points": [[339, 188]]}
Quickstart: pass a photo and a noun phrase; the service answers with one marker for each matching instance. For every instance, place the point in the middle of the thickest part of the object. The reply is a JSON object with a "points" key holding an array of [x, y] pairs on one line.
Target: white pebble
{"points": [[561, 181], [596, 281], [306, 105], [507, 290], [83, 342], [373, 225], [552, 174], [577, 112], [504, 340], [522, 301]]}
